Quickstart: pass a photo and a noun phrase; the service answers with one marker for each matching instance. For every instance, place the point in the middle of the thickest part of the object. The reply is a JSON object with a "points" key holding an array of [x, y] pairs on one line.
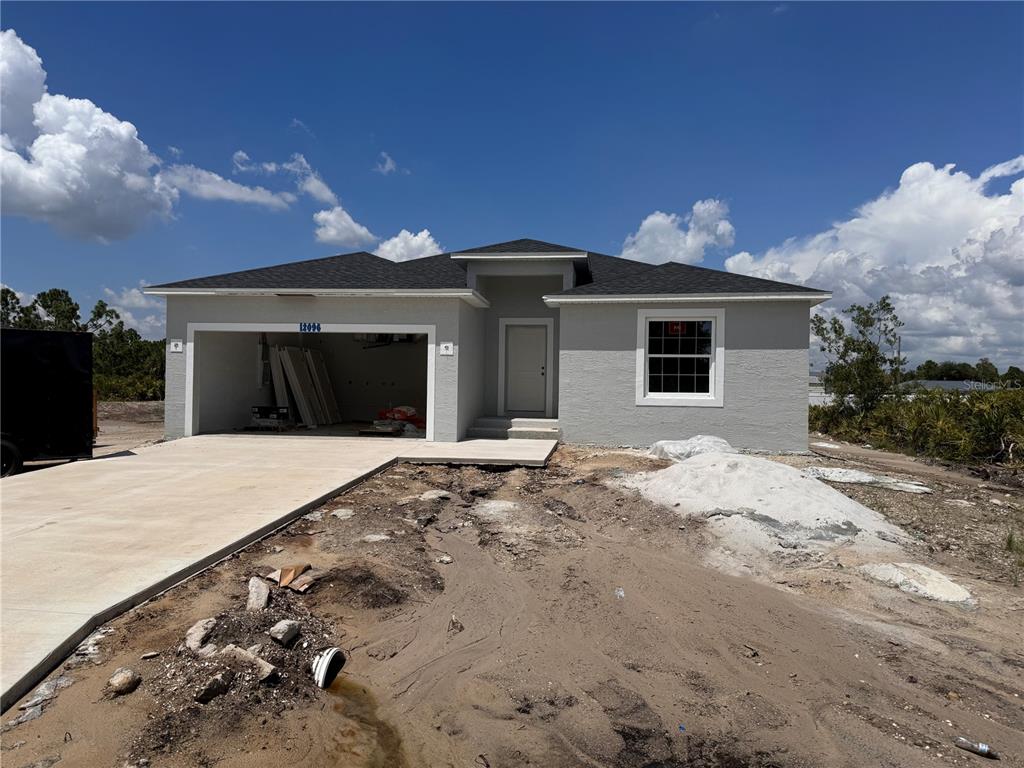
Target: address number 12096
{"points": [[309, 327]]}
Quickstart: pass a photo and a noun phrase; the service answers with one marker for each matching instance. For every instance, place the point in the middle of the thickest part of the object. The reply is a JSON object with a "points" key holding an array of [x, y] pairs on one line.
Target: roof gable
{"points": [[523, 245]]}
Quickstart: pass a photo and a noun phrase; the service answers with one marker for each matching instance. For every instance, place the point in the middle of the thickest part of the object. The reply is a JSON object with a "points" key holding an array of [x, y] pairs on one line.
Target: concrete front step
{"points": [[535, 433], [501, 427], [487, 433]]}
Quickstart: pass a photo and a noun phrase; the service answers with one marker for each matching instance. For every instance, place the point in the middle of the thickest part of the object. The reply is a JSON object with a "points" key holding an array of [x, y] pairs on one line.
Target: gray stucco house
{"points": [[524, 338]]}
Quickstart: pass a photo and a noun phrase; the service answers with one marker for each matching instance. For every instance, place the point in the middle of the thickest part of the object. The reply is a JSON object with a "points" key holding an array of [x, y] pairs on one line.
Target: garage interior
{"points": [[368, 383]]}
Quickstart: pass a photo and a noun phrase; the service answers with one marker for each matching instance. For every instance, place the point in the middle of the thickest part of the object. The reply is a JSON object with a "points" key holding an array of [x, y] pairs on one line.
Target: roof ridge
{"points": [[548, 247]]}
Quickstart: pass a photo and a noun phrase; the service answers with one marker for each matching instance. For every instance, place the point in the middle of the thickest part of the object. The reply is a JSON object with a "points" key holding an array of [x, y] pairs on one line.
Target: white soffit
{"points": [[682, 298]]}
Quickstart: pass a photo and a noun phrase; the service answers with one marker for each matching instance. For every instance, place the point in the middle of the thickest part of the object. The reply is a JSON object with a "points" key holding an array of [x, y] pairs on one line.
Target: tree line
{"points": [[864, 374], [125, 365]]}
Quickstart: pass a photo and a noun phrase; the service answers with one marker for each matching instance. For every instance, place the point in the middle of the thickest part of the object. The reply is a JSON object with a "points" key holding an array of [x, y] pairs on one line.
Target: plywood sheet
{"points": [[322, 381], [297, 371]]}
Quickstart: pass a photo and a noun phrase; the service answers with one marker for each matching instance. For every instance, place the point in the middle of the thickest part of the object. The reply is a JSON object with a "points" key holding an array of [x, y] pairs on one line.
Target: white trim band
{"points": [[470, 296], [555, 300]]}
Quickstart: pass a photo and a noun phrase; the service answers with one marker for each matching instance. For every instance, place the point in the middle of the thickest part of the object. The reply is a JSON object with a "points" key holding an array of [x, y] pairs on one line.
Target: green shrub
{"points": [[959, 426], [134, 387]]}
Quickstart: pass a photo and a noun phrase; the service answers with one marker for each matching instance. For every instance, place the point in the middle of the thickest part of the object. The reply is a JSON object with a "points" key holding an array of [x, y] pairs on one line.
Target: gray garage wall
{"points": [[765, 391], [442, 313], [470, 357], [514, 297], [230, 381]]}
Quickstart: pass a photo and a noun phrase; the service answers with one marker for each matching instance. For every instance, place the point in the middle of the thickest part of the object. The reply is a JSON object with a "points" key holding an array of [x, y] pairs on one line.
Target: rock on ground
{"points": [[123, 682], [285, 631], [216, 686], [680, 450], [264, 669], [197, 634], [918, 580], [259, 594], [435, 494]]}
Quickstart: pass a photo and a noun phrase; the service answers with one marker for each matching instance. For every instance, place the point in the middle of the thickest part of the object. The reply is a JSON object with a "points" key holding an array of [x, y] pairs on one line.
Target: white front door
{"points": [[526, 352]]}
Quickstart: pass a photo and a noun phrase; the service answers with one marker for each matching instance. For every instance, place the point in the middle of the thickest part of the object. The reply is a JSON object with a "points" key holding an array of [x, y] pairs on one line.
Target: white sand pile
{"points": [[918, 580], [681, 450], [857, 477], [757, 505]]}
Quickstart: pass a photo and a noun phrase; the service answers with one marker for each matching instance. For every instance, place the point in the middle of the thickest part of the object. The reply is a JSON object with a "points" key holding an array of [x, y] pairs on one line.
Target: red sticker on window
{"points": [[675, 328]]}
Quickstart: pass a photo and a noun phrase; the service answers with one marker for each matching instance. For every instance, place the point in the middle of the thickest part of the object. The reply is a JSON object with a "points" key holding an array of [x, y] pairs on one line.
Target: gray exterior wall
{"points": [[514, 297], [230, 381], [469, 353], [442, 313], [765, 390]]}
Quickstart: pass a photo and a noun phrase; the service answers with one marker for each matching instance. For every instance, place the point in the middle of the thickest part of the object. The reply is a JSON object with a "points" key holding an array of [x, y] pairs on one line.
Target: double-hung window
{"points": [[680, 357]]}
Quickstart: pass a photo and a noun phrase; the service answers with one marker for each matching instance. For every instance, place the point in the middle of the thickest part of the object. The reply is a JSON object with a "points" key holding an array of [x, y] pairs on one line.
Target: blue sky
{"points": [[571, 123]]}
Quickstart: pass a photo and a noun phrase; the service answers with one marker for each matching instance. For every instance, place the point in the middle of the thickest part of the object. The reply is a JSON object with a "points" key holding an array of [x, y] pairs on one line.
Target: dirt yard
{"points": [[124, 426], [548, 617]]}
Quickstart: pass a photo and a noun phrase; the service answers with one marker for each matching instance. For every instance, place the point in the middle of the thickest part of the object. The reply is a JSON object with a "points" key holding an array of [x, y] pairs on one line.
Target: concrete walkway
{"points": [[83, 542]]}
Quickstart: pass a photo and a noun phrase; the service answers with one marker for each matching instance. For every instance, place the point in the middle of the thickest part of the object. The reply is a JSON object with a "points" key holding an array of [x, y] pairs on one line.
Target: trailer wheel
{"points": [[11, 458]]}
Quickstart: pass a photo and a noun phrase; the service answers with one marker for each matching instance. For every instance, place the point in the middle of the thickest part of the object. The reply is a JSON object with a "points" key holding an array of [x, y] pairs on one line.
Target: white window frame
{"points": [[713, 399]]}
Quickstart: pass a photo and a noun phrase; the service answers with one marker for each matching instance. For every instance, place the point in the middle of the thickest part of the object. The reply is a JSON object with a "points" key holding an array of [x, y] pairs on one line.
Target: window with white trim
{"points": [[679, 356]]}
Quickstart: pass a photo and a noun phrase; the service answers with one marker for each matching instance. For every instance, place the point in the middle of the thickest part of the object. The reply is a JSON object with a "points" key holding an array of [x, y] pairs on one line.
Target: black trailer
{"points": [[46, 396]]}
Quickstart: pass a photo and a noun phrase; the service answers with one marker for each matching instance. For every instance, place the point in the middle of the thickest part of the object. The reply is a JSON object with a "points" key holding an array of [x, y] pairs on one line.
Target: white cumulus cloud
{"points": [[306, 179], [665, 237], [386, 165], [207, 185], [146, 314], [336, 227], [24, 83], [87, 173], [949, 252], [406, 245]]}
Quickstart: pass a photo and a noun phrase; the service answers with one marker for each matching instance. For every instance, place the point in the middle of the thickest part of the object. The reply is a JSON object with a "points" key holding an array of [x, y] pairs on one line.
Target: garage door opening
{"points": [[367, 383]]}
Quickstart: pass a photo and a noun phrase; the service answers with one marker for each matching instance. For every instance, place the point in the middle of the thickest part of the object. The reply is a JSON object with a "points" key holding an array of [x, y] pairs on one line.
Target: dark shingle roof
{"points": [[597, 275], [350, 270], [674, 278], [523, 245]]}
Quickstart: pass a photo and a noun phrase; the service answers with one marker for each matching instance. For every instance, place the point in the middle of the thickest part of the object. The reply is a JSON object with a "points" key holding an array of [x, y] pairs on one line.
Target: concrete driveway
{"points": [[83, 542]]}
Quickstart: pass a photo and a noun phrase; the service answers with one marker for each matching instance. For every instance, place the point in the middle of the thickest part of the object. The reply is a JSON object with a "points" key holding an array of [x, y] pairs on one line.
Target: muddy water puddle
{"points": [[362, 738]]}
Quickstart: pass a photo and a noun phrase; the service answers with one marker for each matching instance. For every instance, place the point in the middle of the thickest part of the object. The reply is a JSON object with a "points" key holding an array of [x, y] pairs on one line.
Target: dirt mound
{"points": [[363, 586], [181, 722]]}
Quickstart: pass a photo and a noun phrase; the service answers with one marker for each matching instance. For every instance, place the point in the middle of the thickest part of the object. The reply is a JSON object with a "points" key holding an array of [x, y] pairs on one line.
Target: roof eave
{"points": [[471, 297], [556, 300], [569, 255]]}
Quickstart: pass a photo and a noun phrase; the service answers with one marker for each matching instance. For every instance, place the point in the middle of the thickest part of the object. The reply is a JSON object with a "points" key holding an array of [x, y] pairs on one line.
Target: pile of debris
{"points": [[257, 655]]}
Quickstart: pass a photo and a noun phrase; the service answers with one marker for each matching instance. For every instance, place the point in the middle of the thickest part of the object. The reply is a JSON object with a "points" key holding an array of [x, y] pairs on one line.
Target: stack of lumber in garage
{"points": [[303, 373]]}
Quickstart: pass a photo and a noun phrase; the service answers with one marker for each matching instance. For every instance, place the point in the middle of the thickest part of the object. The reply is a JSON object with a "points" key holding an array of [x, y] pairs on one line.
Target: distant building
{"points": [[949, 386]]}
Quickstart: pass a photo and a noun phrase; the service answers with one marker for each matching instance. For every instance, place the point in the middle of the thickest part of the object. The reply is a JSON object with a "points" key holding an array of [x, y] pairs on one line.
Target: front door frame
{"points": [[549, 359]]}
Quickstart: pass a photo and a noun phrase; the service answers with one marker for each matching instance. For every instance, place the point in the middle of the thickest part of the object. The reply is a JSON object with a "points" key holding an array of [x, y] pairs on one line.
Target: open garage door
{"points": [[332, 382]]}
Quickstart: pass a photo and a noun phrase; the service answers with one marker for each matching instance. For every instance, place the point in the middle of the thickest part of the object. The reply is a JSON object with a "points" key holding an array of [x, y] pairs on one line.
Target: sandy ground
{"points": [[576, 624], [124, 426]]}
